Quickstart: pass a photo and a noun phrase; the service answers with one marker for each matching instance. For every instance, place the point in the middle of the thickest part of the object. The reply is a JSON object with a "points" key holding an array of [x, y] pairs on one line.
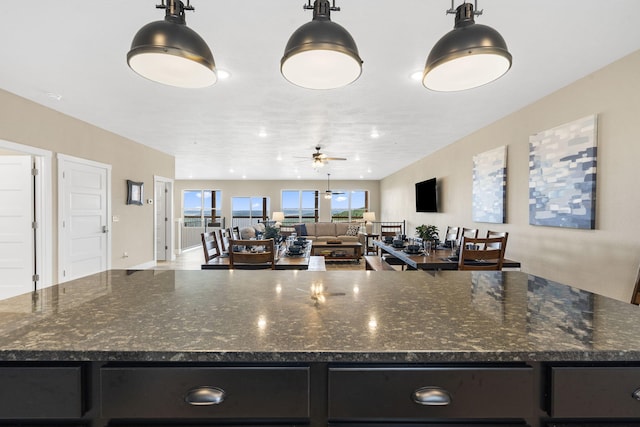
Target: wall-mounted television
{"points": [[427, 196]]}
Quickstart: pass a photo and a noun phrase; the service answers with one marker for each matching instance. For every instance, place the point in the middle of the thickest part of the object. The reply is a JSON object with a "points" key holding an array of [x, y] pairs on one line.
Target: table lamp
{"points": [[369, 218], [278, 217]]}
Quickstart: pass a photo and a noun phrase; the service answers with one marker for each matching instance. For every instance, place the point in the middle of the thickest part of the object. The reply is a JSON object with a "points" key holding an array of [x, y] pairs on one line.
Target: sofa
{"points": [[324, 231]]}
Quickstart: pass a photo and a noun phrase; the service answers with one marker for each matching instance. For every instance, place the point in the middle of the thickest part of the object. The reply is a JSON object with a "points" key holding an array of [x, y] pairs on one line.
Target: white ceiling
{"points": [[77, 49]]}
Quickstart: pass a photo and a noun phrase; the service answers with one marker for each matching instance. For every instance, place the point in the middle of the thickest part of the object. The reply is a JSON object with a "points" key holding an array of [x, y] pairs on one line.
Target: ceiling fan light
{"points": [[171, 53], [321, 54], [468, 56]]}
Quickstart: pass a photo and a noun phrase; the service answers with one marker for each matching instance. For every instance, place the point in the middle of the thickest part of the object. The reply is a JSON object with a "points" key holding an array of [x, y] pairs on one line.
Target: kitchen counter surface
{"points": [[301, 316]]}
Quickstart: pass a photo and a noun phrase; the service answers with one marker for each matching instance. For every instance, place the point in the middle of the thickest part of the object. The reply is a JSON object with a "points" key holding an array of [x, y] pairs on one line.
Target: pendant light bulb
{"points": [[468, 56], [171, 53]]}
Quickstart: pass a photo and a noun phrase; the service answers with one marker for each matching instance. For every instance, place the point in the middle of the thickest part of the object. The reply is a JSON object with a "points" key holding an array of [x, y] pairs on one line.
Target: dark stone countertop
{"points": [[272, 316]]}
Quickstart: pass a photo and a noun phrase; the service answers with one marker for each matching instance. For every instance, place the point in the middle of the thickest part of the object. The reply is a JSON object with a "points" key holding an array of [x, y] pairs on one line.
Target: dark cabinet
{"points": [[38, 392], [418, 394], [233, 393], [595, 392]]}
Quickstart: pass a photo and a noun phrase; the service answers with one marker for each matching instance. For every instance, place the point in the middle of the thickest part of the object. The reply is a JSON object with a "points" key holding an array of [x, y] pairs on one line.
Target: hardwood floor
{"points": [[193, 258]]}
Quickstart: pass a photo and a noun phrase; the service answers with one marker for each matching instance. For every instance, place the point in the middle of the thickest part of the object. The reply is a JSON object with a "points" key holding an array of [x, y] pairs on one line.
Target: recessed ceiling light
{"points": [[244, 176], [54, 96], [223, 74], [374, 133], [230, 170], [279, 158], [416, 75], [262, 133]]}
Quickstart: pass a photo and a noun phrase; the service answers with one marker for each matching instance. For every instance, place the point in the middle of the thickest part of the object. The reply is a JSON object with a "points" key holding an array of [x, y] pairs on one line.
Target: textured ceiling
{"points": [[77, 49]]}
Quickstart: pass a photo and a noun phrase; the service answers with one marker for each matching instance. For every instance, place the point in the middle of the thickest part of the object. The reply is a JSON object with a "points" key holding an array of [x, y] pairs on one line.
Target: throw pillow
{"points": [[301, 229], [352, 229]]}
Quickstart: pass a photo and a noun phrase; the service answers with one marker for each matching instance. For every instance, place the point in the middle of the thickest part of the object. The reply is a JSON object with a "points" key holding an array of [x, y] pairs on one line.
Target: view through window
{"points": [[349, 205], [202, 208], [246, 211], [300, 205]]}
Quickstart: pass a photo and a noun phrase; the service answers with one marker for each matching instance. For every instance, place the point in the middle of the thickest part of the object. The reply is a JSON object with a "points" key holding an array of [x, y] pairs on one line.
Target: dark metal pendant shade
{"points": [[171, 53], [468, 56], [321, 54]]}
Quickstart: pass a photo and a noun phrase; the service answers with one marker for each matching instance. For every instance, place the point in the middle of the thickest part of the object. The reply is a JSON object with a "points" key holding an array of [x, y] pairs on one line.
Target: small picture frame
{"points": [[135, 192]]}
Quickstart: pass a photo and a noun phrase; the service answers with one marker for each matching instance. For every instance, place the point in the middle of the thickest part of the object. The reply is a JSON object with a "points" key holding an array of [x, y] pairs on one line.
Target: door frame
{"points": [[43, 209], [64, 157], [169, 223]]}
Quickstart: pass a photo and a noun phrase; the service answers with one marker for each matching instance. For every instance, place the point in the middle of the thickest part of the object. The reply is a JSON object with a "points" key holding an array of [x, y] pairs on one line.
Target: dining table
{"points": [[284, 260], [440, 258]]}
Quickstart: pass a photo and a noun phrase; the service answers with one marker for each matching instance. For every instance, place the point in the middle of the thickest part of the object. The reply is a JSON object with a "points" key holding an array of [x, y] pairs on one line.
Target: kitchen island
{"points": [[318, 348]]}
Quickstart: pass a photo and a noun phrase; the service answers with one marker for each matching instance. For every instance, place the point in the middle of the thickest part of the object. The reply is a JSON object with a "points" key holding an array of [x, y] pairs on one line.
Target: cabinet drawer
{"points": [[243, 393], [40, 392], [391, 394], [594, 392]]}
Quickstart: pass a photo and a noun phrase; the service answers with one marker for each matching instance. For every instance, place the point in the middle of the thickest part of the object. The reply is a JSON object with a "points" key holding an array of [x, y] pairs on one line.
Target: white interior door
{"points": [[16, 233], [84, 240], [161, 220]]}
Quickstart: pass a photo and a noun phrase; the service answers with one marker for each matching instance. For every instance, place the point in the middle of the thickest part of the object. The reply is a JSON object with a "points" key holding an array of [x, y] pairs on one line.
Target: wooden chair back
{"points": [[210, 245], [453, 233], [635, 297], [469, 232], [390, 229], [224, 238], [235, 233], [250, 257], [481, 249], [499, 234]]}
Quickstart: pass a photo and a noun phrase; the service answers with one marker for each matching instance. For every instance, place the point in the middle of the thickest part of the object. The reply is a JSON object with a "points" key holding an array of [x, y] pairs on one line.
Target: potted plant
{"points": [[428, 233], [271, 232]]}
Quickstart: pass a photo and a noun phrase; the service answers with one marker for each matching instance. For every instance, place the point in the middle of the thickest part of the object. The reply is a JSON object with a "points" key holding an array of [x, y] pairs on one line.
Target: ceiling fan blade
{"points": [[333, 158]]}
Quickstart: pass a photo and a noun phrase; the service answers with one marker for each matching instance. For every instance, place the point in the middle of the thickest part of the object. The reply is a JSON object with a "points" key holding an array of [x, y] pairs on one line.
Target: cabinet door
{"points": [[416, 394], [271, 393], [40, 392], [584, 392]]}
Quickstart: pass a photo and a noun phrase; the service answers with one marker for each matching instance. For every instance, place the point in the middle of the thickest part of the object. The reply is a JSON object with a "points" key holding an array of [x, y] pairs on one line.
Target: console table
{"points": [[352, 250], [343, 348]]}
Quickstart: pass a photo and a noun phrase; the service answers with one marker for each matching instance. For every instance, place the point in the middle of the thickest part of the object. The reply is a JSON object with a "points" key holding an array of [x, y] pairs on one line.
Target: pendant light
{"points": [[468, 56], [321, 54], [171, 53]]}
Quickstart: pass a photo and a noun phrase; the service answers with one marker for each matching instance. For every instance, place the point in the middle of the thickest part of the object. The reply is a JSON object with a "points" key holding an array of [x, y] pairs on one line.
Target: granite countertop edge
{"points": [[411, 357]]}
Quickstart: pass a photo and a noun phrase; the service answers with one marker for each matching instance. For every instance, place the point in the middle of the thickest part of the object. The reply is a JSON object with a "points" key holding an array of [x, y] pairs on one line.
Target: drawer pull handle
{"points": [[204, 396], [636, 394], [432, 396]]}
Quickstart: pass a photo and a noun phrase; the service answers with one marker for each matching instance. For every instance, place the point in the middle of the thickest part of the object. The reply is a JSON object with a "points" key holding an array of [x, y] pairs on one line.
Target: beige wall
{"points": [[27, 123], [273, 190], [604, 260]]}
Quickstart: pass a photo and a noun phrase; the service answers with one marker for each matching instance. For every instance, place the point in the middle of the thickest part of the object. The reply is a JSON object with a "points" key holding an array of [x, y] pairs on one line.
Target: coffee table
{"points": [[338, 251]]}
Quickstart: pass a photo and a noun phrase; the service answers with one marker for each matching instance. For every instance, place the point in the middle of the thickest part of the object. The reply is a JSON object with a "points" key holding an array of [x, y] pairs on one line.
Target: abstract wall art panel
{"points": [[562, 175], [489, 186]]}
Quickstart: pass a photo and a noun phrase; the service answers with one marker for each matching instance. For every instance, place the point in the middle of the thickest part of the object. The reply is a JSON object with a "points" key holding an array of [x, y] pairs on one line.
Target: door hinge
{"points": [[34, 171], [64, 174], [35, 278], [166, 219], [64, 273], [166, 247], [166, 190], [34, 225], [63, 224]]}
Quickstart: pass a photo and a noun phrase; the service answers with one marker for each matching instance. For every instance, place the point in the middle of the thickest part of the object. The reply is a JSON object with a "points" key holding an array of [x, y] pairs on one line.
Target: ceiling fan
{"points": [[329, 193], [319, 159]]}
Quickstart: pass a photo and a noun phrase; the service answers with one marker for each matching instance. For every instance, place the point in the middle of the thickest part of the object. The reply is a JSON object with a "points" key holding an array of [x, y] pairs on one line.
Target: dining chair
{"points": [[390, 230], [251, 254], [481, 253], [451, 234], [223, 241], [635, 297], [469, 232], [210, 245], [235, 233], [504, 234]]}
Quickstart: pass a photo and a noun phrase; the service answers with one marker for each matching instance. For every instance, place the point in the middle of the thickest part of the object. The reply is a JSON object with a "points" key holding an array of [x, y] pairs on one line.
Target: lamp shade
{"points": [[278, 216], [468, 56], [321, 54], [171, 53], [369, 216]]}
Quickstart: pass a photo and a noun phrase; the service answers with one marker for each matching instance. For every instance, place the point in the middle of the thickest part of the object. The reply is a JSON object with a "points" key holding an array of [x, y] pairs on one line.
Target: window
{"points": [[300, 205], [349, 205], [246, 211], [201, 208]]}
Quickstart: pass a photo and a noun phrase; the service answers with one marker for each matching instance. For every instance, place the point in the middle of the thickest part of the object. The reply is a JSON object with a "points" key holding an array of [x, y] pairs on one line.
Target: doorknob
{"points": [[105, 229]]}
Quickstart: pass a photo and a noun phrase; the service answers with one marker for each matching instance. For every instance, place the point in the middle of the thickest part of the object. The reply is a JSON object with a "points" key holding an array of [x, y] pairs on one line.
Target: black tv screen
{"points": [[427, 196]]}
